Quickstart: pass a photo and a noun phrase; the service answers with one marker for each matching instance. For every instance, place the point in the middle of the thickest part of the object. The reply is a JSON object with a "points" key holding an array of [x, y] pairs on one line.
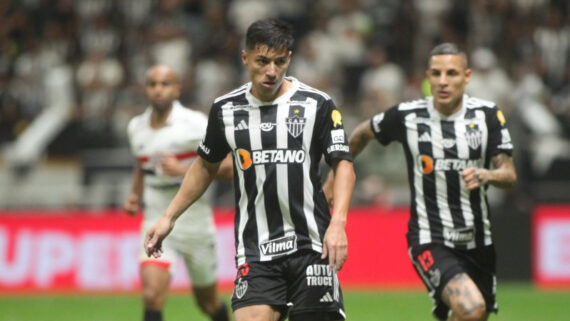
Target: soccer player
{"points": [[164, 139], [288, 247], [455, 146]]}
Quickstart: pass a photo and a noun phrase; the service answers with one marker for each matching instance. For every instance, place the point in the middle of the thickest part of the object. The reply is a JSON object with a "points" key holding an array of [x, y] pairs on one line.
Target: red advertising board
{"points": [[551, 246], [98, 251]]}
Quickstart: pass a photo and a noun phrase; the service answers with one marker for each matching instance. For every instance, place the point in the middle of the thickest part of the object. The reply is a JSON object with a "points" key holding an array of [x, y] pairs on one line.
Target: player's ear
{"points": [[244, 57], [467, 75]]}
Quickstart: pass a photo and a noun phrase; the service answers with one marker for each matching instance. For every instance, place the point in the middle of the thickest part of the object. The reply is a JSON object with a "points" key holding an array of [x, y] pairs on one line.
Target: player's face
{"points": [[267, 68], [448, 75], [161, 88]]}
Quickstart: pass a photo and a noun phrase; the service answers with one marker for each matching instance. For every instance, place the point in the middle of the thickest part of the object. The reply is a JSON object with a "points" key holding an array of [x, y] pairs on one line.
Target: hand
{"points": [[335, 246], [155, 235], [474, 177], [171, 166], [132, 204]]}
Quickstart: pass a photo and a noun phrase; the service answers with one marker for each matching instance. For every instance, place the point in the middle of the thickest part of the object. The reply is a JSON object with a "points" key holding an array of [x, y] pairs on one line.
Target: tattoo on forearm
{"points": [[499, 160], [357, 145]]}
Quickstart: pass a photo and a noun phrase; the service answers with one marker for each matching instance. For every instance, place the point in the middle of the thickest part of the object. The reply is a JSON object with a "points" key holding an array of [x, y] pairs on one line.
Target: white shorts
{"points": [[198, 252]]}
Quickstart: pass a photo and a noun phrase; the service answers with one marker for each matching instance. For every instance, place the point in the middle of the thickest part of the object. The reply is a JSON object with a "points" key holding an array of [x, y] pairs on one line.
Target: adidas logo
{"points": [[242, 125], [327, 298], [425, 137]]}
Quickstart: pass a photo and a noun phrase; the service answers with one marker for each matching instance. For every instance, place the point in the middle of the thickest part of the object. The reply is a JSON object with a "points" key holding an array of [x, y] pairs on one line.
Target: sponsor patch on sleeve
{"points": [[338, 148], [337, 136]]}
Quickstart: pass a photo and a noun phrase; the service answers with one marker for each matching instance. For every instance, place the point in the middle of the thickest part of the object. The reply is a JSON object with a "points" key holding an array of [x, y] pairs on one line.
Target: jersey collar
{"points": [[434, 114], [285, 97], [176, 106]]}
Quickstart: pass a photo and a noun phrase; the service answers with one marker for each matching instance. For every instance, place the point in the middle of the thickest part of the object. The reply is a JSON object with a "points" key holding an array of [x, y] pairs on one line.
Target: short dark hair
{"points": [[274, 33], [448, 48]]}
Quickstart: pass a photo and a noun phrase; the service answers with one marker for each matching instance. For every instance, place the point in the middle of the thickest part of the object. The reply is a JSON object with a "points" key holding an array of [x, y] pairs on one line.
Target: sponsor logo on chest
{"points": [[428, 164], [246, 158]]}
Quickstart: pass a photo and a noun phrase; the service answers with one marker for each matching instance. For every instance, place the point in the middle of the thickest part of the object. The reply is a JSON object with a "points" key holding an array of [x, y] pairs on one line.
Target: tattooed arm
{"points": [[503, 174]]}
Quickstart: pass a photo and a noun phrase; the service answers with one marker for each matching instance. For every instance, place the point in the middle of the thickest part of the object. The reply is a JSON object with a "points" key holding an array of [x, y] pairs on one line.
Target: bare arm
{"points": [[195, 183], [335, 244], [132, 204], [226, 170], [171, 166], [503, 174], [359, 138]]}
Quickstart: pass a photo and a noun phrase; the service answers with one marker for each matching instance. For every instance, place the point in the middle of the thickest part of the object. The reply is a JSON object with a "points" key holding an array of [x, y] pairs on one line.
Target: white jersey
{"points": [[180, 137]]}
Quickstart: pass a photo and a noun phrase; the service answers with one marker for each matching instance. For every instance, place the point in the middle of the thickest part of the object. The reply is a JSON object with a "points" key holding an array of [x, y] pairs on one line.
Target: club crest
{"points": [[435, 277], [241, 288], [473, 136], [295, 125]]}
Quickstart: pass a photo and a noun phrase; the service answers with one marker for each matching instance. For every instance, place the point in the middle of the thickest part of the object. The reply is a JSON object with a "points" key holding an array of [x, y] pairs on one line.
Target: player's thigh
{"points": [[201, 259], [156, 272], [257, 313], [436, 265], [462, 295], [155, 277], [260, 284], [313, 289], [464, 274]]}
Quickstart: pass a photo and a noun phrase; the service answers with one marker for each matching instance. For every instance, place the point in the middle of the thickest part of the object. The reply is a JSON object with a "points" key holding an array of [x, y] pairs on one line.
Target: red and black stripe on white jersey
{"points": [[437, 149], [276, 147], [180, 137]]}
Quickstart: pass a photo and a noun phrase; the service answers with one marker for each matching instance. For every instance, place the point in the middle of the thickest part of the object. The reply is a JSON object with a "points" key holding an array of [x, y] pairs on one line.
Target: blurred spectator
{"points": [[367, 54], [214, 76], [87, 9], [552, 41], [547, 140], [98, 34], [489, 81], [241, 13], [383, 80], [170, 42], [98, 78]]}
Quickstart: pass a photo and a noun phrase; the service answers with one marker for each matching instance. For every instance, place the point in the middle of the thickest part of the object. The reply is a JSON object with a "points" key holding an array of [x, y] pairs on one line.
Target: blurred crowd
{"points": [[367, 54]]}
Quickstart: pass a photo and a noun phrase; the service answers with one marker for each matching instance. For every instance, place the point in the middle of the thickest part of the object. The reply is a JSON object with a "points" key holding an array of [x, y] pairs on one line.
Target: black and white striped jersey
{"points": [[437, 149], [276, 147]]}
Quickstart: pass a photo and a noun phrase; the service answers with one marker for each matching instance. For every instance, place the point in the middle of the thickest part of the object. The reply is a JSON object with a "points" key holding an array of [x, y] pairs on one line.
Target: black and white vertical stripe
{"points": [[276, 200], [437, 149]]}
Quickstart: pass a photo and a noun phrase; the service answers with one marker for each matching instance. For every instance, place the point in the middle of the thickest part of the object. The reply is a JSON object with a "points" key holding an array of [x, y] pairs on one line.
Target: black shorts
{"points": [[300, 284], [436, 264]]}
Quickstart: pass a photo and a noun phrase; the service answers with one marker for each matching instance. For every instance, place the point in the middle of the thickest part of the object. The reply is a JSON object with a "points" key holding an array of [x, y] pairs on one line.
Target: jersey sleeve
{"points": [[387, 126], [214, 147], [131, 128], [334, 142], [199, 127], [499, 140]]}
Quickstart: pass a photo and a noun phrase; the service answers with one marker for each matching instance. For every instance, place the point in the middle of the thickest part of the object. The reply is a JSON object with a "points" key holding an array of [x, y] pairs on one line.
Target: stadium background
{"points": [[70, 79]]}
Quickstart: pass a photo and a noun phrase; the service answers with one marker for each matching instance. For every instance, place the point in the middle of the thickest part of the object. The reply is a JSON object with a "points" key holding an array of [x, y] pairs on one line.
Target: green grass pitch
{"points": [[516, 302]]}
